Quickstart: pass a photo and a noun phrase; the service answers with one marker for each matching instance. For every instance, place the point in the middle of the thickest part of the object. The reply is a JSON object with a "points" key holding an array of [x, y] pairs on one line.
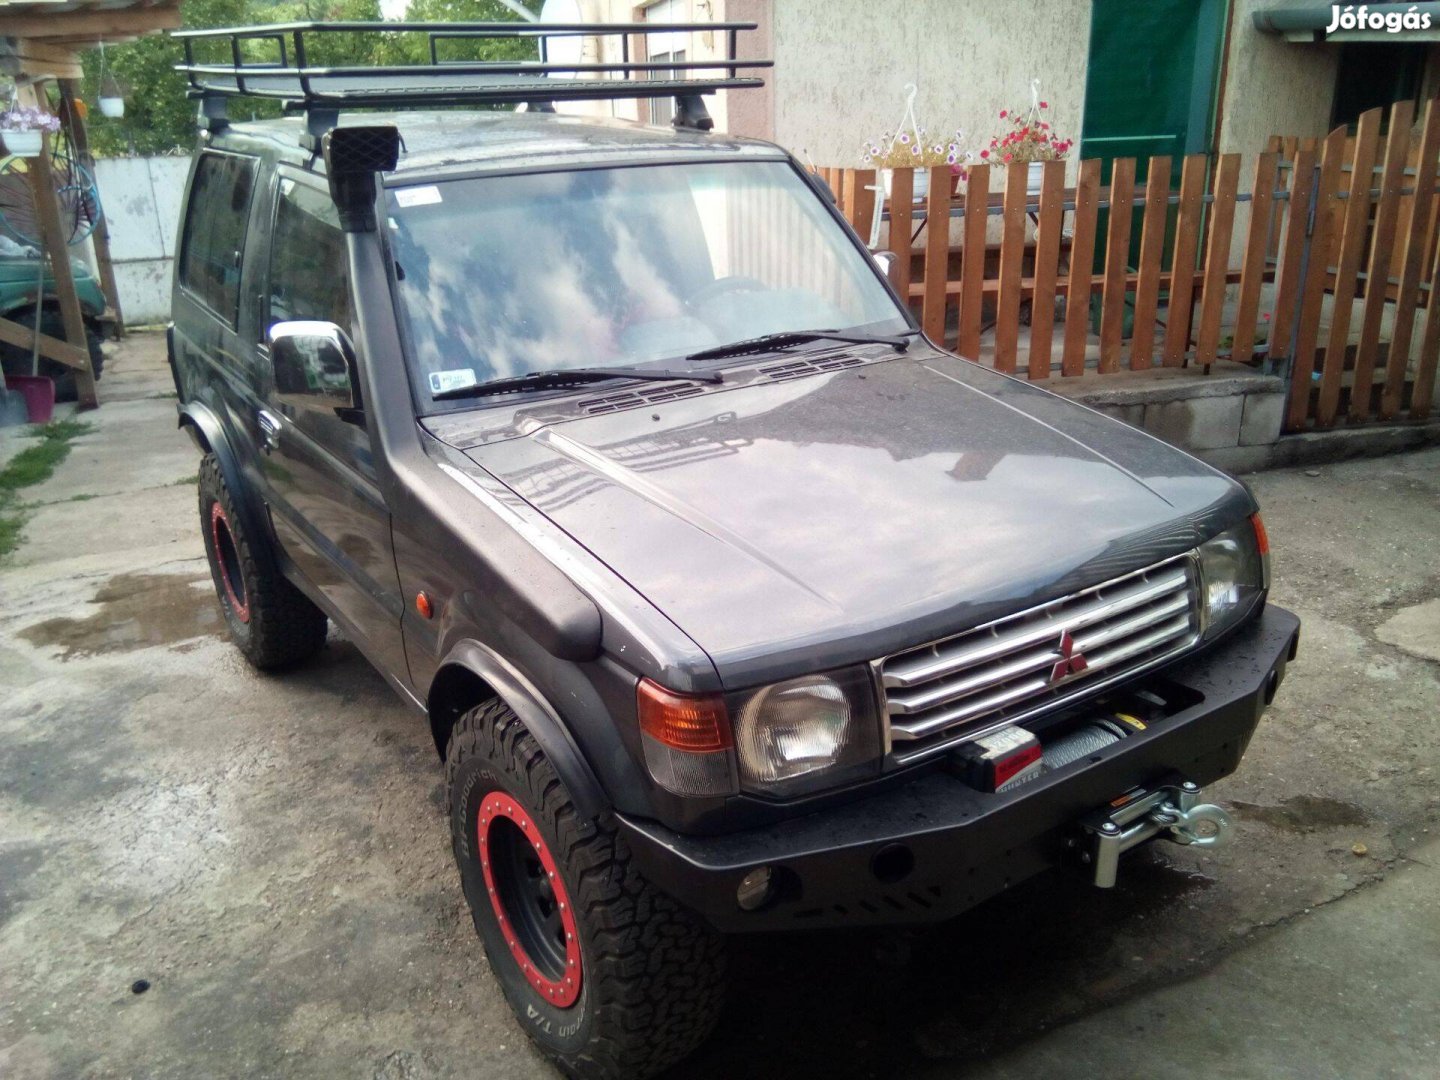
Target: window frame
{"points": [[232, 321], [315, 183]]}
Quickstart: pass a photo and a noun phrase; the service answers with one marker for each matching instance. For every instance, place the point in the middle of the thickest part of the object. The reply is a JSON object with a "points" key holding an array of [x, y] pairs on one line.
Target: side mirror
{"points": [[888, 262], [314, 365]]}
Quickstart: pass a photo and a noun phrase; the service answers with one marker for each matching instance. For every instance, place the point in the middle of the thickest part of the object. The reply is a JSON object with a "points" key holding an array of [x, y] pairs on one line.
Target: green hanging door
{"points": [[1154, 69]]}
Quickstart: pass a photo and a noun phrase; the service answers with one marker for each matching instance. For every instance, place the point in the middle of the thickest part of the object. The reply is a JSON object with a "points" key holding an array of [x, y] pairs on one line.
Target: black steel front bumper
{"points": [[966, 844]]}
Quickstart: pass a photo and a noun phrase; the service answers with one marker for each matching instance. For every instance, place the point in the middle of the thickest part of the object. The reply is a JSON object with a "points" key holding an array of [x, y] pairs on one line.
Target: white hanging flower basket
{"points": [[24, 144], [921, 189], [113, 107]]}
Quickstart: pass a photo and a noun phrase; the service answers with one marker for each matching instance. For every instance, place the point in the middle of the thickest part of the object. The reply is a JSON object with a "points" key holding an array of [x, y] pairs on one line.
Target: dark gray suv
{"points": [[732, 602]]}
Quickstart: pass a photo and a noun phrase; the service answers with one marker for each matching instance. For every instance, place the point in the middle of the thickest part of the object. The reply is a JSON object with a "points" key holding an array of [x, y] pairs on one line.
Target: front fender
{"points": [[538, 715]]}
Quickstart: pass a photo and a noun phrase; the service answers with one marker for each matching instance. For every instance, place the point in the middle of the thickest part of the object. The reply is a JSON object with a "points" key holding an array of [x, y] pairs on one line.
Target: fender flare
{"points": [[539, 717], [205, 428]]}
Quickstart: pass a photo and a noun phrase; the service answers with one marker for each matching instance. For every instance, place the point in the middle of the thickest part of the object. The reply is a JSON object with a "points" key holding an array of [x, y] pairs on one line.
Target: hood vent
{"points": [[794, 369], [629, 399]]}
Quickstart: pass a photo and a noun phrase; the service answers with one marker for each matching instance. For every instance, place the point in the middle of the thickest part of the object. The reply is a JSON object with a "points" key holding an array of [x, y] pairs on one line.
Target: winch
{"points": [[1170, 812]]}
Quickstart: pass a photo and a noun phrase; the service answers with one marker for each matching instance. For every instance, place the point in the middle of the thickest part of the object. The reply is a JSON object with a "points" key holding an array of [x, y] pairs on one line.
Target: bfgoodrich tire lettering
{"points": [[651, 973], [273, 623]]}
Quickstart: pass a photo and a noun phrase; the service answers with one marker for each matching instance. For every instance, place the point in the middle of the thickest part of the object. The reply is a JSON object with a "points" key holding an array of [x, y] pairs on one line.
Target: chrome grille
{"points": [[1019, 665]]}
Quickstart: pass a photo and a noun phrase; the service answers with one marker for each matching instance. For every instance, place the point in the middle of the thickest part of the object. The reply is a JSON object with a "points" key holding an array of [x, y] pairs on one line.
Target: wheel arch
{"points": [[472, 674], [204, 428]]}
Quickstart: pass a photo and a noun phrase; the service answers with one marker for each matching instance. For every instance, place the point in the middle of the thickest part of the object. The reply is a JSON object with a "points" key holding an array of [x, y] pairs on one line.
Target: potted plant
{"points": [[1027, 139], [112, 97], [910, 146], [23, 130], [914, 148]]}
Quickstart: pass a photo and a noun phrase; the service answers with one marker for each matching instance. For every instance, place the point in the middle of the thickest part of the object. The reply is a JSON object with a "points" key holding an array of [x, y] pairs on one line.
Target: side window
{"points": [[309, 270], [215, 231]]}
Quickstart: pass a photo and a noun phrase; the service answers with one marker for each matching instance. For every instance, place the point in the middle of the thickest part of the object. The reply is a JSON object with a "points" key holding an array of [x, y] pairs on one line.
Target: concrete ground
{"points": [[270, 853]]}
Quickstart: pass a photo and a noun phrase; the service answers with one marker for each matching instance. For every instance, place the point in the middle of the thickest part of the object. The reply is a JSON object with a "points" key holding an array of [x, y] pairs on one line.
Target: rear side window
{"points": [[215, 231], [309, 271]]}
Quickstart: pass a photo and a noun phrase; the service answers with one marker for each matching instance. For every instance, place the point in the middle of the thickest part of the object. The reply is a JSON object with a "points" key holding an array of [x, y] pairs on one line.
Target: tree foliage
{"points": [[160, 119]]}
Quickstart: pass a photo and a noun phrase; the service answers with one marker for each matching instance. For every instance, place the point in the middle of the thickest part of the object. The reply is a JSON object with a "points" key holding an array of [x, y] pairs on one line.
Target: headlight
{"points": [[789, 737], [805, 733], [1234, 573]]}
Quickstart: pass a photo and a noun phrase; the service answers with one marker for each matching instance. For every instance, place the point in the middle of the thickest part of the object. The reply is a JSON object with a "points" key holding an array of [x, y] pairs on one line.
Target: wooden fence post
{"points": [[1382, 252], [1217, 259], [1182, 267], [1117, 261], [937, 253], [1416, 241], [1152, 248], [1047, 268], [1012, 262], [1347, 267], [1082, 265], [902, 206], [1259, 241], [972, 270], [1312, 289]]}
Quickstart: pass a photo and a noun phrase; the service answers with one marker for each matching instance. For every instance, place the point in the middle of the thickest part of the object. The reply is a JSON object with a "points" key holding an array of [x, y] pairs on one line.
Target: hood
{"points": [[842, 516]]}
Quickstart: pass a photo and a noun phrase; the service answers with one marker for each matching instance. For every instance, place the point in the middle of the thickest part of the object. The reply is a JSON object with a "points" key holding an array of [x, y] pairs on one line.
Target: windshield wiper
{"points": [[786, 338], [549, 380]]}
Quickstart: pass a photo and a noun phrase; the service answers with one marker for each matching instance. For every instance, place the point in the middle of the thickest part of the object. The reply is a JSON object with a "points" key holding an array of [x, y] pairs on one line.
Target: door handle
{"points": [[269, 430]]}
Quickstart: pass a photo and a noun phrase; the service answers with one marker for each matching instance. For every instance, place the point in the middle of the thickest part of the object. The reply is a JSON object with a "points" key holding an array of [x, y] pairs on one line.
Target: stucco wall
{"points": [[841, 67], [1274, 86]]}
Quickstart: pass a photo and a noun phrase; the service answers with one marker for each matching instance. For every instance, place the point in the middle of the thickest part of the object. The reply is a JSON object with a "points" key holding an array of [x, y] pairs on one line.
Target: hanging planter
{"points": [[23, 130], [112, 95], [1029, 140], [23, 143], [911, 146]]}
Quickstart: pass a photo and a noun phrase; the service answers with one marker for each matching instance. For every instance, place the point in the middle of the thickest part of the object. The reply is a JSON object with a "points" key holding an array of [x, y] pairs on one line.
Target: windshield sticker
{"points": [[418, 196], [442, 382]]}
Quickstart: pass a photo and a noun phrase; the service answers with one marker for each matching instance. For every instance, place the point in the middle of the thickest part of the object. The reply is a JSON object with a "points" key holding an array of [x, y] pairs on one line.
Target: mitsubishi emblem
{"points": [[1072, 660]]}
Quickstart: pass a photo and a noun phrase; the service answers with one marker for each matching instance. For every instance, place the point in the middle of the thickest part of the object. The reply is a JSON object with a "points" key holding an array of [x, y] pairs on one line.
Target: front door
{"points": [[1153, 72], [326, 504]]}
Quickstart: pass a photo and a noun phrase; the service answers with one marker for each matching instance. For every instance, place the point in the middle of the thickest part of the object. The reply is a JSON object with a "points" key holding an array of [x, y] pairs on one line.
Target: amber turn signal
{"points": [[693, 723], [422, 605], [1262, 540]]}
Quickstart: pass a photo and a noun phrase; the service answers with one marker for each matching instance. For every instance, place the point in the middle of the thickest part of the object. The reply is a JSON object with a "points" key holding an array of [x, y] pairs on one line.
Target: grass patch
{"points": [[185, 481], [33, 465]]}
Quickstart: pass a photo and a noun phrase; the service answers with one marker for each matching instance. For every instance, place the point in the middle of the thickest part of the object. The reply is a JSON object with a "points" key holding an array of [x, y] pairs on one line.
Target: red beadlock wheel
{"points": [[529, 899], [228, 559]]}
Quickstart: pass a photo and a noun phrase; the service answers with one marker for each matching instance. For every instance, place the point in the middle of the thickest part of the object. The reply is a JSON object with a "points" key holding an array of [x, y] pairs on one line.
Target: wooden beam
{"points": [[82, 23], [52, 348], [42, 185], [36, 50]]}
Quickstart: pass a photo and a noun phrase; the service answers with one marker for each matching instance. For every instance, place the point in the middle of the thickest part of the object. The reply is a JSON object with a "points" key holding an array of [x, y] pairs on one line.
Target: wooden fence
{"points": [[1092, 279]]}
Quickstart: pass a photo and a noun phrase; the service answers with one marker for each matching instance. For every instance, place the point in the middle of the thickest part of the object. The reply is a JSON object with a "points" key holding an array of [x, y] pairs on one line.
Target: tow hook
{"points": [[1169, 812]]}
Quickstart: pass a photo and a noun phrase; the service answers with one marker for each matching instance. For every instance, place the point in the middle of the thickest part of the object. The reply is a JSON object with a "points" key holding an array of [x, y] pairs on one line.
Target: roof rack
{"points": [[287, 71]]}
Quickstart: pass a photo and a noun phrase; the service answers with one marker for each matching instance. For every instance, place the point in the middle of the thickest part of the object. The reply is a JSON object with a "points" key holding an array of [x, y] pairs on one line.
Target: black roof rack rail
{"points": [[287, 72]]}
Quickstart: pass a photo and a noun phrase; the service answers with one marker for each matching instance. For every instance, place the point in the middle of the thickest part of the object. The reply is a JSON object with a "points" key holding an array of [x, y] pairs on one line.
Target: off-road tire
{"points": [[16, 360], [271, 621], [651, 972]]}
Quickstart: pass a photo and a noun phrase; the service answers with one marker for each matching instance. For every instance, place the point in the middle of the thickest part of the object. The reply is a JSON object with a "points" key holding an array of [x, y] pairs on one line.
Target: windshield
{"points": [[504, 275]]}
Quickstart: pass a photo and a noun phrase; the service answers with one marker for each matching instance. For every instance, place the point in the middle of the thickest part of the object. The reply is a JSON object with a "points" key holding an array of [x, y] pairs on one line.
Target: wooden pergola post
{"points": [[74, 123], [47, 203]]}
